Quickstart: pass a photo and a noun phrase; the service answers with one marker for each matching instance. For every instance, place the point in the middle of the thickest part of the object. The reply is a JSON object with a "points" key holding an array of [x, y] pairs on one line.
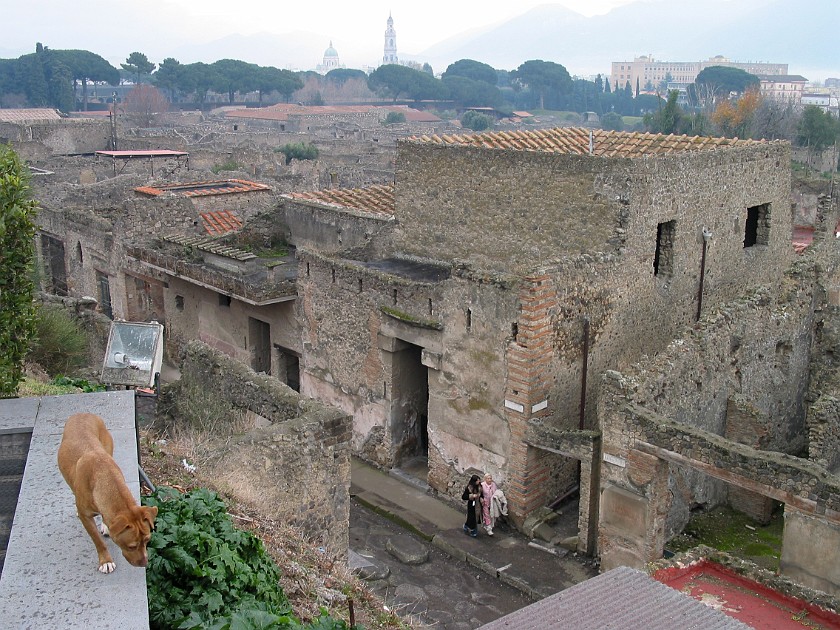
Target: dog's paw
{"points": [[107, 567]]}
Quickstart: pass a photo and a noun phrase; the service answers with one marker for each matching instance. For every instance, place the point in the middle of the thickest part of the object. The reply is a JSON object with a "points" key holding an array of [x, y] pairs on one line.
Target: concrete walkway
{"points": [[536, 569], [50, 578]]}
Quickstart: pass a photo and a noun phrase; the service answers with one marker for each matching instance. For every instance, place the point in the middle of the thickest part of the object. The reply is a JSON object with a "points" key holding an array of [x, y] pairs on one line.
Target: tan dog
{"points": [[86, 461]]}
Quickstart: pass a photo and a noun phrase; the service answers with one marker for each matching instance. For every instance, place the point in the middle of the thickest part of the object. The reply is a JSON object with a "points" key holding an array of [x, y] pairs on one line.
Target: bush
{"points": [[17, 251], [60, 345], [476, 121], [394, 118], [228, 165], [299, 151], [612, 122], [205, 573]]}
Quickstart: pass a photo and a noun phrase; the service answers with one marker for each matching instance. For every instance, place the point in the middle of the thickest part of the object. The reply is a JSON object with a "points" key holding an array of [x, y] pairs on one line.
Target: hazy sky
{"points": [[114, 28]]}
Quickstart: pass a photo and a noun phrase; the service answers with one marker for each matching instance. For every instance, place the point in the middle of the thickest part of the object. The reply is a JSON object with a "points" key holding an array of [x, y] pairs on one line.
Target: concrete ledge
{"points": [[50, 577]]}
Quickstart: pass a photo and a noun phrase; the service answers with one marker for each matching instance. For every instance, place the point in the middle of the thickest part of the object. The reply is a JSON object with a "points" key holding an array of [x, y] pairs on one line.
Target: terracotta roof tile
{"points": [[220, 222], [377, 199], [575, 140], [202, 189], [212, 245], [23, 115]]}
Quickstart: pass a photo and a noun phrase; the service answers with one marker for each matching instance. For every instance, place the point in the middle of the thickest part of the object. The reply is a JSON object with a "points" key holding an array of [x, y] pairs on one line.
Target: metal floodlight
{"points": [[134, 354]]}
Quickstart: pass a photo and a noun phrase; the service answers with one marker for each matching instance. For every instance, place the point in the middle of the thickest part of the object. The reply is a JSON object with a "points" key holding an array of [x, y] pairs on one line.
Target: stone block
{"points": [[624, 512], [811, 552]]}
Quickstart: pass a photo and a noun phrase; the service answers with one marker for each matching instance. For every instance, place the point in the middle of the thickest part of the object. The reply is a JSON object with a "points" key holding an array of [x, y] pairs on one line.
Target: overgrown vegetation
{"points": [[205, 573], [228, 165], [728, 530], [476, 120], [17, 249], [298, 151], [394, 118], [60, 344]]}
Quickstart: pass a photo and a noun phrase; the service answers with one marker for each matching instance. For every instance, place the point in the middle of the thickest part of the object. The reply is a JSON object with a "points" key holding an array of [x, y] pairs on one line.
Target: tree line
{"points": [[721, 101]]}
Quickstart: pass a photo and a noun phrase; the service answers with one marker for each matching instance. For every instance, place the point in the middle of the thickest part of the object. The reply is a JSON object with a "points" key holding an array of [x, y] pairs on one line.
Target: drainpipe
{"points": [[707, 235], [584, 369]]}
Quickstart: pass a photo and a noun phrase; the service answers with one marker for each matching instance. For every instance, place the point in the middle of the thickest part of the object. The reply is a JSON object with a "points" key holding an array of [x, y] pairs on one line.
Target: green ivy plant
{"points": [[17, 250], [203, 573]]}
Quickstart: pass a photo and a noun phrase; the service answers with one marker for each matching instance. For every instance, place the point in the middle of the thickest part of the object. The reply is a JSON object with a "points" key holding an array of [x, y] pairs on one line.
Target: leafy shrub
{"points": [[17, 251], [612, 122], [476, 121], [298, 151], [205, 573], [61, 344], [227, 165], [394, 118], [79, 383]]}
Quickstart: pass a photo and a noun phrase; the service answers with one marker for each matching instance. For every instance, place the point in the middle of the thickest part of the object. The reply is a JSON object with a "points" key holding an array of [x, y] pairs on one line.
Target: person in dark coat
{"points": [[472, 495]]}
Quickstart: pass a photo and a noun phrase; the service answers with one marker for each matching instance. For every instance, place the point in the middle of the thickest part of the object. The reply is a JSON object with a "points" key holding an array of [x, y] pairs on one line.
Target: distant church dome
{"points": [[331, 60]]}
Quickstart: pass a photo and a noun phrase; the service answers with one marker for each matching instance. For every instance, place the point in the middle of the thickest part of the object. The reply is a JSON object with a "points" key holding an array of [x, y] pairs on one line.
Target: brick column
{"points": [[527, 383]]}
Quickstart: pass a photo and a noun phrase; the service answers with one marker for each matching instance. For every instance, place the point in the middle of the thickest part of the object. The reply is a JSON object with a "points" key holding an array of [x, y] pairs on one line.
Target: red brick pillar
{"points": [[527, 383]]}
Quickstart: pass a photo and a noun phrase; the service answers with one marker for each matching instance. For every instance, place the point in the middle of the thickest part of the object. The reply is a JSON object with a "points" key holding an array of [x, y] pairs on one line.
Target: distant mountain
{"points": [[801, 33]]}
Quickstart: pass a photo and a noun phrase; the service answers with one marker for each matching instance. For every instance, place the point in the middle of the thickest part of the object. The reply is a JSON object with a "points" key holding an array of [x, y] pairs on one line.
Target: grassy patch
{"points": [[727, 530]]}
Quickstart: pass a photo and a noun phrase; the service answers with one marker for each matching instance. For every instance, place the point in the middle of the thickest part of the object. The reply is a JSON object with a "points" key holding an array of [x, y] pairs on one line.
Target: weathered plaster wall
{"points": [[194, 312]]}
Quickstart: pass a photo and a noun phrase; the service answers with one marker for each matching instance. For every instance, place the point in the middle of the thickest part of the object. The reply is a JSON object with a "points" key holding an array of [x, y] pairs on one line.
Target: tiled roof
{"points": [[23, 115], [377, 199], [622, 598], [210, 244], [220, 222], [202, 189], [575, 140]]}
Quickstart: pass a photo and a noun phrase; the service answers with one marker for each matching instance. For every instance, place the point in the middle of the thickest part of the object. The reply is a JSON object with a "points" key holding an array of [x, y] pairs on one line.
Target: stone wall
{"points": [[741, 372], [358, 324], [324, 229], [37, 140], [294, 466]]}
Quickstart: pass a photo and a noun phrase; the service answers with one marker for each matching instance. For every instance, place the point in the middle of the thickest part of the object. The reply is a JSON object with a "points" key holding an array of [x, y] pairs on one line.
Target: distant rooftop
{"points": [[23, 115], [575, 140], [377, 199], [200, 189], [282, 111]]}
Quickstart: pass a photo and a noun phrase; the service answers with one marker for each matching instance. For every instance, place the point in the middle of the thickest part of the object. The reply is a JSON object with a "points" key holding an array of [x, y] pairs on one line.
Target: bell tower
{"points": [[390, 55]]}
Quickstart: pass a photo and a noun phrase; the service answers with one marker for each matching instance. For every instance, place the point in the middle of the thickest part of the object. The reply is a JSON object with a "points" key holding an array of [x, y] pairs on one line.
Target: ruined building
{"points": [[620, 314]]}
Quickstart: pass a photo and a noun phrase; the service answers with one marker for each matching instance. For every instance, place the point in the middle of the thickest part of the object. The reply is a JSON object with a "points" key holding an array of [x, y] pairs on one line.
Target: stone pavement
{"points": [[534, 569]]}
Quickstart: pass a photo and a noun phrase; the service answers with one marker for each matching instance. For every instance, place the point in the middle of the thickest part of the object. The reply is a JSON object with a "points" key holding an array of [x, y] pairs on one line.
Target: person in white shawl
{"points": [[494, 503]]}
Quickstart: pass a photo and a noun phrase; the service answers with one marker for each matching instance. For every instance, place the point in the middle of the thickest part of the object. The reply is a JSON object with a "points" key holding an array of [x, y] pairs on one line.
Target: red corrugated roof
{"points": [[201, 189]]}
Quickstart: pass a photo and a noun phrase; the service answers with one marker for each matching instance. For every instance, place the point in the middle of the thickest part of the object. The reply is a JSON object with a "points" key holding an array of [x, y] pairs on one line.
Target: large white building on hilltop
{"points": [[390, 55], [647, 73]]}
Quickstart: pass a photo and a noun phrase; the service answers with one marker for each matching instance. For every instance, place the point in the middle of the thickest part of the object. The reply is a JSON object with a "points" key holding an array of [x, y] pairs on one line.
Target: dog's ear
{"points": [[149, 514], [118, 525]]}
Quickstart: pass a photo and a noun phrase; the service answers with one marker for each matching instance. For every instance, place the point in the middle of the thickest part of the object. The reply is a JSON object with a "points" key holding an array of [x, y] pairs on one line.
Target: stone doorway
{"points": [[410, 411]]}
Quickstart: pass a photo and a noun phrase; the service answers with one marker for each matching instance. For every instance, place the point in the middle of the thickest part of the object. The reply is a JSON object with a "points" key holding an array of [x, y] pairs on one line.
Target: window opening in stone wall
{"points": [[395, 297], [179, 302], [469, 319], [224, 300], [333, 276], [259, 334], [79, 254], [757, 227], [55, 270], [663, 259], [360, 285], [430, 306], [307, 270], [104, 285], [514, 330]]}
